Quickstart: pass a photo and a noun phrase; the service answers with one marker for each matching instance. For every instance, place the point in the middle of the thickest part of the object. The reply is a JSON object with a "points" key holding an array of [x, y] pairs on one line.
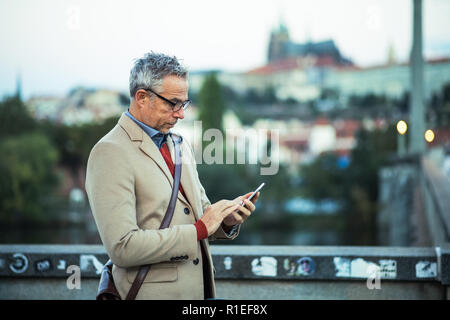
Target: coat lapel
{"points": [[147, 145], [149, 148]]}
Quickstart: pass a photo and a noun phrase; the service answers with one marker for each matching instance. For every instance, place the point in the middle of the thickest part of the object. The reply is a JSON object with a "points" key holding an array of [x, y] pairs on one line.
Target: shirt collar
{"points": [[158, 137]]}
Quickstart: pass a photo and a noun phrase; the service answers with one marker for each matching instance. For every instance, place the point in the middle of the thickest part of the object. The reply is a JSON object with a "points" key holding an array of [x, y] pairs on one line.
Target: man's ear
{"points": [[140, 97]]}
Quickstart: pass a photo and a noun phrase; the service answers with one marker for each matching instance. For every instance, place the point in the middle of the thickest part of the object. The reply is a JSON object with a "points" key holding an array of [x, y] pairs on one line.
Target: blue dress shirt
{"points": [[158, 137]]}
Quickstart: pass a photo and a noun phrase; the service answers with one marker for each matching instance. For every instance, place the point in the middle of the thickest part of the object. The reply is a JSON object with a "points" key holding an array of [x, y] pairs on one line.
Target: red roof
{"points": [[385, 66], [346, 128], [322, 121], [292, 64], [324, 61], [277, 66]]}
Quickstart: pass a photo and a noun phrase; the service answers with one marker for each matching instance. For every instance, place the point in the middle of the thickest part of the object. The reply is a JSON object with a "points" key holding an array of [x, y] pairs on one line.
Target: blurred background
{"points": [[334, 77]]}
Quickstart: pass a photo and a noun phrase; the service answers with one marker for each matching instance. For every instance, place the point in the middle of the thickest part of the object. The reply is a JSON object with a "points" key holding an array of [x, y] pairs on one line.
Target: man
{"points": [[129, 182]]}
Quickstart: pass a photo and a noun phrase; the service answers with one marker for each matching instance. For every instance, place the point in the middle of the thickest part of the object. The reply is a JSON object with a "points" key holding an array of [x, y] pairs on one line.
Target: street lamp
{"points": [[402, 127], [429, 135]]}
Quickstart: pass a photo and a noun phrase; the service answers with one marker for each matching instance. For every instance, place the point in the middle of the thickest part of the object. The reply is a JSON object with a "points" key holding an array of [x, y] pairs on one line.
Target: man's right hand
{"points": [[215, 213]]}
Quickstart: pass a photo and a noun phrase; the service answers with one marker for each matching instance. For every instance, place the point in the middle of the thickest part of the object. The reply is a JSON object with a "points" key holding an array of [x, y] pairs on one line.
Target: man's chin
{"points": [[168, 127], [166, 130]]}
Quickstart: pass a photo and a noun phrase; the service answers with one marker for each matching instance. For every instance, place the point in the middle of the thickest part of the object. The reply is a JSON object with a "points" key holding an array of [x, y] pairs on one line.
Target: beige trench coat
{"points": [[129, 185]]}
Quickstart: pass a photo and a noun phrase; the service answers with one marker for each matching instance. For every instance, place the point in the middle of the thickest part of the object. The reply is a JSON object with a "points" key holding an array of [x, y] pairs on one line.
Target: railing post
{"points": [[444, 267]]}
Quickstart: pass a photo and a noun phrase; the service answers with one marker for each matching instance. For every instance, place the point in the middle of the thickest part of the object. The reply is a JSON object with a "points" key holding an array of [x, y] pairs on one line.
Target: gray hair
{"points": [[150, 70]]}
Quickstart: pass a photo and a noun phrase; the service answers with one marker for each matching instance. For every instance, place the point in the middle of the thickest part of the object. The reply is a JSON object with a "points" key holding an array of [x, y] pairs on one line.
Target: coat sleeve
{"points": [[220, 234], [110, 187]]}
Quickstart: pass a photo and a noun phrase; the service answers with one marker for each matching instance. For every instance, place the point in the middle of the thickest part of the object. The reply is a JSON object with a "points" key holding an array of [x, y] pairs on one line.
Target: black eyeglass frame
{"points": [[176, 106]]}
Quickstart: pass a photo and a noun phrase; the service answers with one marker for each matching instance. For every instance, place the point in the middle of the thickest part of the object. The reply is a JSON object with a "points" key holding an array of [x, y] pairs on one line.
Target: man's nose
{"points": [[179, 114]]}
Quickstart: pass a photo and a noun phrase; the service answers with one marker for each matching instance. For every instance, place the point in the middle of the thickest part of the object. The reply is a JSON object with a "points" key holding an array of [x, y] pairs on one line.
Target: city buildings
{"points": [[294, 72], [80, 106]]}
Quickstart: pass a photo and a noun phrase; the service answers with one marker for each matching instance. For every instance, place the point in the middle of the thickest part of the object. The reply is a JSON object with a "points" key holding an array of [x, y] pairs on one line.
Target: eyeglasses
{"points": [[176, 106]]}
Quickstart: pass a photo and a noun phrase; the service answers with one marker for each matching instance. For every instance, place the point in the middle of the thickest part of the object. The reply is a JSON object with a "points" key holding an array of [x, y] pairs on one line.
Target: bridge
{"points": [[397, 270], [412, 263]]}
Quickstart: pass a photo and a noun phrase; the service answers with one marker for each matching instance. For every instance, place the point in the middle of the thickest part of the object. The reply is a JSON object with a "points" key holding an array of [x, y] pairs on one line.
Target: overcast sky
{"points": [[55, 44]]}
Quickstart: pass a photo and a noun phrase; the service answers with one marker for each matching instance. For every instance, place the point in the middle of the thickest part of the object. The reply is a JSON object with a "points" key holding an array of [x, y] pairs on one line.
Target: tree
{"points": [[211, 103], [440, 107], [322, 179], [28, 177], [222, 182], [269, 95], [15, 118], [74, 143], [30, 151], [26, 165]]}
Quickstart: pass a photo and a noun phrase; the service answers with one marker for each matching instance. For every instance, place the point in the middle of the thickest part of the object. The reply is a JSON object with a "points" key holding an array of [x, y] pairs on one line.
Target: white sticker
{"points": [[227, 262], [85, 261], [359, 268], [61, 265], [265, 266], [342, 267], [426, 269], [388, 269]]}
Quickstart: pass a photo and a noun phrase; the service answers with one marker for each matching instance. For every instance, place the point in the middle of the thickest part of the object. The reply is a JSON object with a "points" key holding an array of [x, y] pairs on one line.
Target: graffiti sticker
{"points": [[227, 262], [388, 269], [342, 267], [360, 268], [87, 259], [61, 265], [19, 264], [305, 266], [426, 269], [43, 265], [264, 266]]}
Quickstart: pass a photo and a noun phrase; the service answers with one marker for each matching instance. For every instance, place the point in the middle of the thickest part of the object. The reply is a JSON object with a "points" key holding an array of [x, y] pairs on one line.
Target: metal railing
{"points": [[436, 196]]}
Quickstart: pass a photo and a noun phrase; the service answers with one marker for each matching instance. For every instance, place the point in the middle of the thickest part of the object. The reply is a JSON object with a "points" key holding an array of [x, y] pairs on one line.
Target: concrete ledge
{"points": [[324, 263], [56, 289], [326, 290], [241, 262], [242, 272]]}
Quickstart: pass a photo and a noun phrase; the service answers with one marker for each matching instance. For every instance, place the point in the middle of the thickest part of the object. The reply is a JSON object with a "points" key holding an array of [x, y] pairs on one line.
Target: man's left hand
{"points": [[244, 211]]}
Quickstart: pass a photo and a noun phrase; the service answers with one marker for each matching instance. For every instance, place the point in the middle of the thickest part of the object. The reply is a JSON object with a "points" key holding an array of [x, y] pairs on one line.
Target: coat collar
{"points": [[131, 128]]}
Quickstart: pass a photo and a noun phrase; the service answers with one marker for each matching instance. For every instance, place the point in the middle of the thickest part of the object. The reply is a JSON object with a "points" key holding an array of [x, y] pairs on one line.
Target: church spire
{"points": [[282, 28], [19, 86], [279, 39], [391, 59]]}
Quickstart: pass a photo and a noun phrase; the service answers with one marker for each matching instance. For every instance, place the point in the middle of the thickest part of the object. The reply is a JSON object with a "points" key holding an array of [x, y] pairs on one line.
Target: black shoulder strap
{"points": [[143, 270]]}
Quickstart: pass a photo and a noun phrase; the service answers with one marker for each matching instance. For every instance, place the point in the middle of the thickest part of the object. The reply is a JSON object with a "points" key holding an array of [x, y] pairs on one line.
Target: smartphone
{"points": [[254, 192]]}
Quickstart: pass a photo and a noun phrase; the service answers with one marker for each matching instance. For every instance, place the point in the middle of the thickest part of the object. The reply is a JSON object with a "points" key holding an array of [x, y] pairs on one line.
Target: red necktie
{"points": [[166, 155]]}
